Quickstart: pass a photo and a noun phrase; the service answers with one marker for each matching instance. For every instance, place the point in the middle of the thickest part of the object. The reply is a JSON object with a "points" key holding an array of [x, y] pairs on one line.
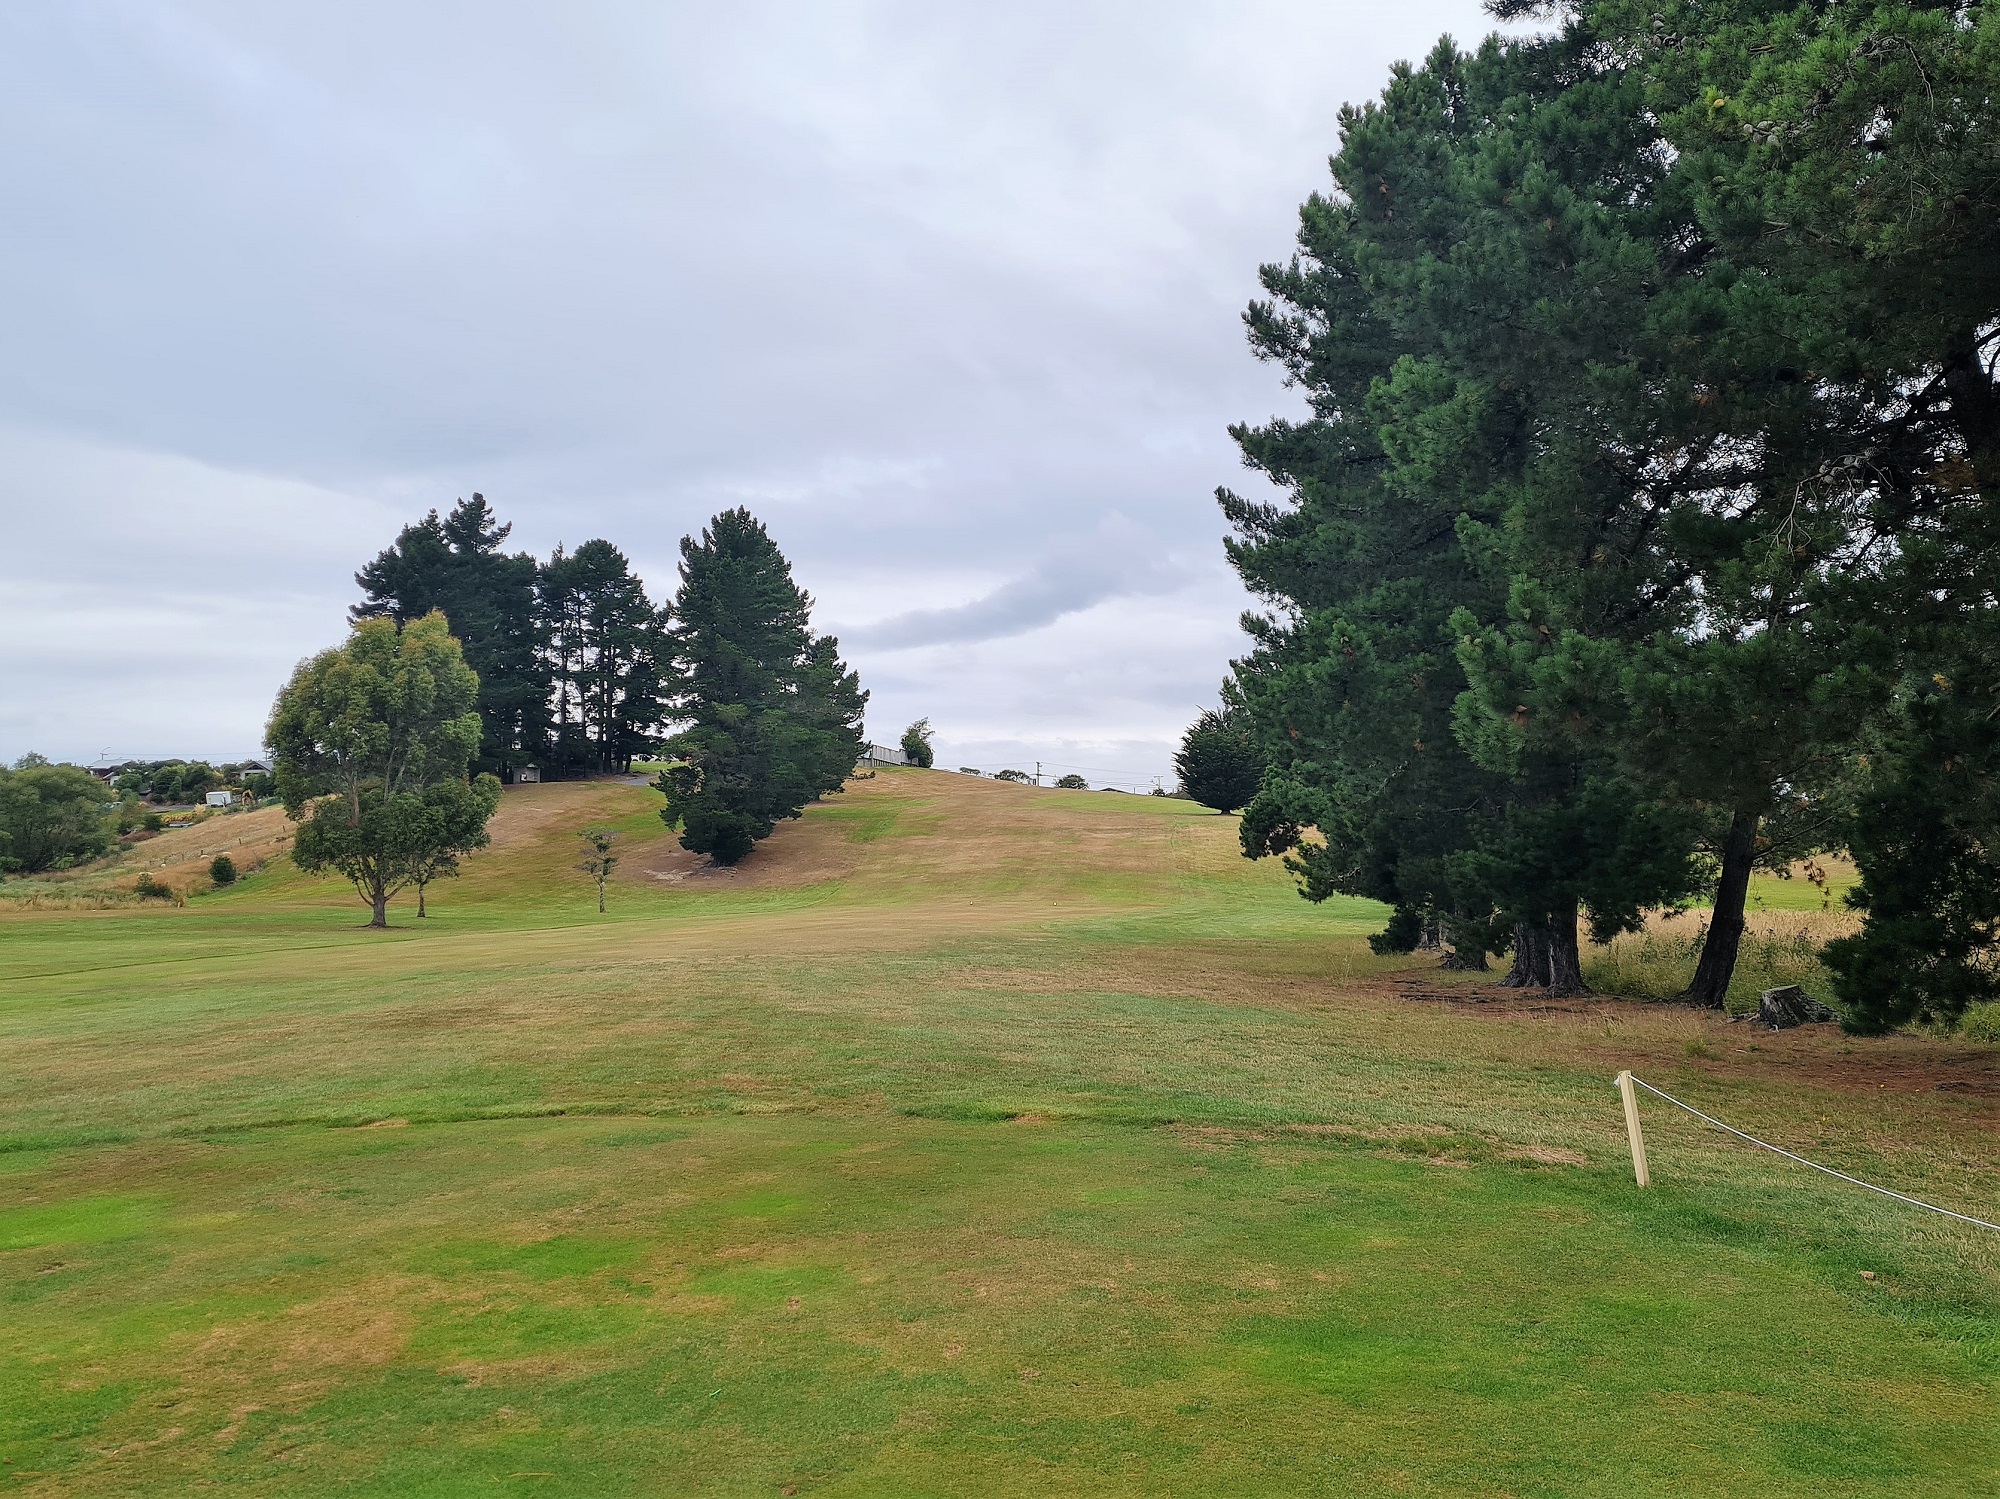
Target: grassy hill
{"points": [[969, 1139]]}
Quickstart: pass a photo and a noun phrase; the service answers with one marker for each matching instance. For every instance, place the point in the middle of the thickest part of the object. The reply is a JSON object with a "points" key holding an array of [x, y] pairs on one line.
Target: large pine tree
{"points": [[773, 714], [456, 565], [605, 648], [1841, 180], [1660, 350], [1409, 320]]}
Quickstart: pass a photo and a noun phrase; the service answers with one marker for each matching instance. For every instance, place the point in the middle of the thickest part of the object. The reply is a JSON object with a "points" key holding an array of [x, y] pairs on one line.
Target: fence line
{"points": [[1790, 1156]]}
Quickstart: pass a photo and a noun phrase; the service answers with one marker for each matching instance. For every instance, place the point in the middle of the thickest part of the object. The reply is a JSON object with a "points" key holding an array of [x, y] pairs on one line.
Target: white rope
{"points": [[1788, 1155]]}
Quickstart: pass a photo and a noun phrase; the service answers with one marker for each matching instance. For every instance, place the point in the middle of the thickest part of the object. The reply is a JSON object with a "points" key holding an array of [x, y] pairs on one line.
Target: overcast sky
{"points": [[948, 294]]}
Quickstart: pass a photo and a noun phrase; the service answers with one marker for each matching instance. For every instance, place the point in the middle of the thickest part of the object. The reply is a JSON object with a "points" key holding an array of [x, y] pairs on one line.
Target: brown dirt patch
{"points": [[805, 852], [531, 812]]}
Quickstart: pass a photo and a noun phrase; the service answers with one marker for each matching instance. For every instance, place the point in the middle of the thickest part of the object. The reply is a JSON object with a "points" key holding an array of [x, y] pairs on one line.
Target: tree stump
{"points": [[1783, 1008]]}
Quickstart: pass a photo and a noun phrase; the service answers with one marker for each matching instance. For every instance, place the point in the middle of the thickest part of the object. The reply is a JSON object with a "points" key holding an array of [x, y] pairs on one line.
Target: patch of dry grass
{"points": [[975, 1140], [1779, 947]]}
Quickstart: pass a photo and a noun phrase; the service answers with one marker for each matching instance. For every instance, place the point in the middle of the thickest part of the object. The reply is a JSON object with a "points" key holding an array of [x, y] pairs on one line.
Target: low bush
{"points": [[1072, 783], [222, 870], [149, 888], [1981, 1022]]}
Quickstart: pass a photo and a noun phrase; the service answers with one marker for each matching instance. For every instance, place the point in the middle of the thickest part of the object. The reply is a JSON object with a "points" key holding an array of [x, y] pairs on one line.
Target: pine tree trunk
{"points": [[1565, 974], [1459, 956], [1531, 957], [1725, 927]]}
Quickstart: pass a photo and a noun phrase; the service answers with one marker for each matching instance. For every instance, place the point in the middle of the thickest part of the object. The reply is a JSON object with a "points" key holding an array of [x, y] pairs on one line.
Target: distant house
{"points": [[107, 773], [257, 768], [876, 756], [222, 798], [526, 774]]}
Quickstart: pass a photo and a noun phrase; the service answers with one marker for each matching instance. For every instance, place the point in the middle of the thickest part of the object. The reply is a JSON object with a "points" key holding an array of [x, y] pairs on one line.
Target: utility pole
{"points": [[1038, 772]]}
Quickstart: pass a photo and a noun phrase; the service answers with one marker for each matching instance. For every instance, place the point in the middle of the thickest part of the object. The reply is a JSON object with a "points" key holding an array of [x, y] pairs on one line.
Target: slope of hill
{"points": [[967, 1139]]}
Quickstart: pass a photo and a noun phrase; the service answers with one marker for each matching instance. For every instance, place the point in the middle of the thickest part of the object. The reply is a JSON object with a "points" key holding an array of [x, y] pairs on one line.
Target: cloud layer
{"points": [[948, 295]]}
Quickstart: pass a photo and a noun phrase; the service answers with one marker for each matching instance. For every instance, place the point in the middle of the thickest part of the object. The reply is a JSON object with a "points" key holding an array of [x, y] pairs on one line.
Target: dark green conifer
{"points": [[456, 565], [606, 651], [1219, 761], [774, 715]]}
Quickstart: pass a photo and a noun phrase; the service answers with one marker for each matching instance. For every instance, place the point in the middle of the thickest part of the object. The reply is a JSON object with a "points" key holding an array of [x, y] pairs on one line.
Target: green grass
{"points": [[988, 1141]]}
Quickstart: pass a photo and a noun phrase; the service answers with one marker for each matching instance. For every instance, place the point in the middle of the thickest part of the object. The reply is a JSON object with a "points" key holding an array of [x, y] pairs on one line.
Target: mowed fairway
{"points": [[968, 1140]]}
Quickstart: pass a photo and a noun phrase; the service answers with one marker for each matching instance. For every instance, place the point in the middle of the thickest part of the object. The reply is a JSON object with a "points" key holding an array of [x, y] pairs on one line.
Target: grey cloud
{"points": [[948, 295], [1011, 609]]}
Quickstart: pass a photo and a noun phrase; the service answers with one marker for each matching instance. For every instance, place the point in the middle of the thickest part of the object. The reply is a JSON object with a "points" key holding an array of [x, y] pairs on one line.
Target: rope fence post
{"points": [[1627, 1088], [1630, 1095]]}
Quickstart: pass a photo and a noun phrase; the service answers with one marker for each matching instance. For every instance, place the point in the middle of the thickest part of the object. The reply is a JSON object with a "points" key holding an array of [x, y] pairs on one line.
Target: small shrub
{"points": [[153, 822], [222, 870], [1981, 1022], [149, 888], [1019, 777], [1072, 783]]}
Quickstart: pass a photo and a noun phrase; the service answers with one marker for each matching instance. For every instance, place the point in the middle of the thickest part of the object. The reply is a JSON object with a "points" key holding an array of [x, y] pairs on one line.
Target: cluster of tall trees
{"points": [[575, 670], [569, 653], [1642, 530]]}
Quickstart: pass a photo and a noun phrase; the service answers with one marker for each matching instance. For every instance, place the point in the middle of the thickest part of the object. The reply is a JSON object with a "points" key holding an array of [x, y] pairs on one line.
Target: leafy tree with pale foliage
{"points": [[373, 740], [917, 744], [52, 816]]}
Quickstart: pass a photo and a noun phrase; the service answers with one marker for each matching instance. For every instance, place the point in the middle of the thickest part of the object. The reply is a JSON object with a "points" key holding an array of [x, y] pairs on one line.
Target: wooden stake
{"points": [[1631, 1096]]}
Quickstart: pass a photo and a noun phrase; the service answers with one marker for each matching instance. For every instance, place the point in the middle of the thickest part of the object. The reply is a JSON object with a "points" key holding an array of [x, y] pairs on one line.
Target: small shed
{"points": [[526, 774]]}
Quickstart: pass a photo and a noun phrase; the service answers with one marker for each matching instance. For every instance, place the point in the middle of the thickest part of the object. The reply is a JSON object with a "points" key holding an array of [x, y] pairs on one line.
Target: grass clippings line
{"points": [[1790, 1156]]}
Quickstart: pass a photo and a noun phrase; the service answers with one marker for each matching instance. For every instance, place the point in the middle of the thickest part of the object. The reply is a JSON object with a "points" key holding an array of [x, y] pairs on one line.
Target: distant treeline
{"points": [[183, 782], [55, 817]]}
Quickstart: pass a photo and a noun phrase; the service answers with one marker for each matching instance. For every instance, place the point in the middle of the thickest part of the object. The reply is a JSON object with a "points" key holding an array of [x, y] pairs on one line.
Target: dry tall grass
{"points": [[1779, 947]]}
